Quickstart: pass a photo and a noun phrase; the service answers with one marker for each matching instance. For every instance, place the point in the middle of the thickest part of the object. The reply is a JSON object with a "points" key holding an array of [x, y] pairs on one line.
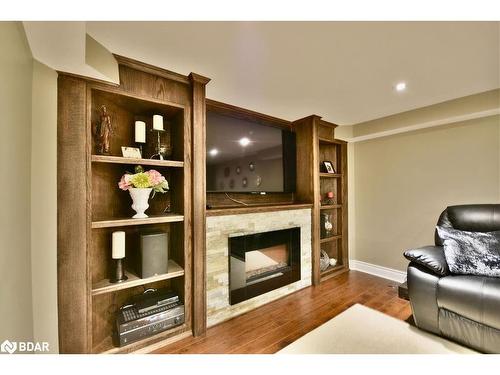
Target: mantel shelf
{"points": [[330, 175], [160, 219], [105, 286], [134, 161], [328, 239]]}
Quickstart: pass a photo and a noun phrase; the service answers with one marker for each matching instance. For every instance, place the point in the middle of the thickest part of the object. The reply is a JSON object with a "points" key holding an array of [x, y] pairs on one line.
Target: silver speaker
{"points": [[153, 259]]}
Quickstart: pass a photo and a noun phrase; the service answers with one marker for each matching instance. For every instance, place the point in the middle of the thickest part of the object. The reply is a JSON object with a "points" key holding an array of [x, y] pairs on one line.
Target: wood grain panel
{"points": [[72, 215], [199, 202], [308, 180], [246, 114]]}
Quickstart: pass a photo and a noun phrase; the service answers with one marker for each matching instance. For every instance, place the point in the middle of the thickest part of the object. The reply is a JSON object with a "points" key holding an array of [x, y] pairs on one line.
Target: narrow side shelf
{"points": [[328, 239], [331, 270], [122, 160], [168, 218], [330, 175], [330, 206], [105, 286]]}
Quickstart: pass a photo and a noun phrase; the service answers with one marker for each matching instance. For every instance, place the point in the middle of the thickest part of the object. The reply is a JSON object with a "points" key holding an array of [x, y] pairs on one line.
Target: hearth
{"points": [[262, 262]]}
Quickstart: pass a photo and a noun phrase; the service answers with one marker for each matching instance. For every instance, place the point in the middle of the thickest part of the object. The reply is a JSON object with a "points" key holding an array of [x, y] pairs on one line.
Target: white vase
{"points": [[140, 203]]}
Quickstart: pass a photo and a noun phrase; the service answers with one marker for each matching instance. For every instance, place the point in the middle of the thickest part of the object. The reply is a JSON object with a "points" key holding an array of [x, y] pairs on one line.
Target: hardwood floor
{"points": [[272, 327]]}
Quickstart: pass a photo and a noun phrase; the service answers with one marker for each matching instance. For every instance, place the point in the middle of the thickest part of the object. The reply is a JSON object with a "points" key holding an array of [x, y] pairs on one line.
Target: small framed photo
{"points": [[328, 167], [131, 152]]}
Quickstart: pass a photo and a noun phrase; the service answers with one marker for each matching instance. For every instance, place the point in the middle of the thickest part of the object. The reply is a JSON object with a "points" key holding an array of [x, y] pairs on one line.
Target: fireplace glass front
{"points": [[263, 262]]}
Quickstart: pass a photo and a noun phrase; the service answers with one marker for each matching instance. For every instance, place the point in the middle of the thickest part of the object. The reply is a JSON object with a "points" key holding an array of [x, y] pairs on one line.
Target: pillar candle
{"points": [[157, 122], [140, 132], [118, 247]]}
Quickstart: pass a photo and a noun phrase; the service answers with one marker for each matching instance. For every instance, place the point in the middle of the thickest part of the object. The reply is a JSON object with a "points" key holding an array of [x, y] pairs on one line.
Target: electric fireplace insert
{"points": [[262, 262]]}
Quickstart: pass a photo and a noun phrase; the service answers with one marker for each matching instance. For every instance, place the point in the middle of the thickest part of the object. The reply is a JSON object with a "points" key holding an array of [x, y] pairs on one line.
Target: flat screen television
{"points": [[248, 157]]}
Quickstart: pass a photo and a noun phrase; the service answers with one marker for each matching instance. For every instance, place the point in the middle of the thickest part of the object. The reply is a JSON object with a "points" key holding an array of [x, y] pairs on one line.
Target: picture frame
{"points": [[131, 152], [327, 167]]}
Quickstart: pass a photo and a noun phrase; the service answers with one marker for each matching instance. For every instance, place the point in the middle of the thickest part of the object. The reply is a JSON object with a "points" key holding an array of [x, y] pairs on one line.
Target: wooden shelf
{"points": [[145, 345], [328, 239], [331, 269], [105, 286], [122, 160], [159, 219], [330, 175], [330, 206], [328, 141]]}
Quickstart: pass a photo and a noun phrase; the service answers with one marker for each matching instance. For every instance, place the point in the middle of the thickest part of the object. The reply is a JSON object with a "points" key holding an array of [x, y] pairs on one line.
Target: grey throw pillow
{"points": [[471, 253]]}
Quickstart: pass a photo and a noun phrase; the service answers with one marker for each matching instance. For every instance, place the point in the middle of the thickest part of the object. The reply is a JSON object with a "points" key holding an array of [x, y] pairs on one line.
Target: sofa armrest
{"points": [[430, 257]]}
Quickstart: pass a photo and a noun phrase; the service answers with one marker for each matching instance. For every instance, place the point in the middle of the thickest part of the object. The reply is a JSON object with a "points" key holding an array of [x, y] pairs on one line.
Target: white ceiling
{"points": [[343, 71]]}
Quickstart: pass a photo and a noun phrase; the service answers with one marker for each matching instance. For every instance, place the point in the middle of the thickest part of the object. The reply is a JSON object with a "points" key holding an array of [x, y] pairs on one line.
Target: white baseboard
{"points": [[373, 269]]}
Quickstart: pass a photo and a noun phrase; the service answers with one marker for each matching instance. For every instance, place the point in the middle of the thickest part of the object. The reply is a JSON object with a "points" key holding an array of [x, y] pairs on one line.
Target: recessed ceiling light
{"points": [[401, 86], [214, 152], [244, 141]]}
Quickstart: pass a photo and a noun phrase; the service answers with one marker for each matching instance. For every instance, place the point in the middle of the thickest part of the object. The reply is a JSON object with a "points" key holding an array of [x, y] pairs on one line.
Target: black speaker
{"points": [[153, 258]]}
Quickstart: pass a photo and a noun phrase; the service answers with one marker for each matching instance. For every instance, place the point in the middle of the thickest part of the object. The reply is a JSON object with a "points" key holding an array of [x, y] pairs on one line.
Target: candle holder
{"points": [[119, 272], [160, 151], [140, 148]]}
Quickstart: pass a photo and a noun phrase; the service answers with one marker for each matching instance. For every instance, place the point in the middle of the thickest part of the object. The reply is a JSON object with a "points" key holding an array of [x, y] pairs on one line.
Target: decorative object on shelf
{"points": [[329, 199], [244, 182], [131, 152], [238, 169], [227, 172], [103, 132], [161, 150], [118, 253], [333, 262], [140, 133], [258, 181], [326, 225], [327, 166], [140, 186], [251, 166], [324, 261]]}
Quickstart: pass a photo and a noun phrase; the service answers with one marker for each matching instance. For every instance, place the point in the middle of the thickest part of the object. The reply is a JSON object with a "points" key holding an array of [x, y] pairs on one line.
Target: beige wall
{"points": [[402, 182], [16, 67], [44, 205]]}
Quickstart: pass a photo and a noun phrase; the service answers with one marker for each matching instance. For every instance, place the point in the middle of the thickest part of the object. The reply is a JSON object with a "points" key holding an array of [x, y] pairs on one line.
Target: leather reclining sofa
{"points": [[463, 308]]}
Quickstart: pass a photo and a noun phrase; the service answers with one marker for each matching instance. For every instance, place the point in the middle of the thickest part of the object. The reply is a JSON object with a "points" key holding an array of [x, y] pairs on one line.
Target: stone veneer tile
{"points": [[220, 228]]}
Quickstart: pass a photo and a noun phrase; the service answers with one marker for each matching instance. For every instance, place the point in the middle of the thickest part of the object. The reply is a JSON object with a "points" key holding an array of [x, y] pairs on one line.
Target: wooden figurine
{"points": [[103, 131]]}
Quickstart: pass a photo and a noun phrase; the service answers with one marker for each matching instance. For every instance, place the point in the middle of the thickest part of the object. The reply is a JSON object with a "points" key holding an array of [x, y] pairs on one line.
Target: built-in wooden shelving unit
{"points": [[316, 143], [91, 206]]}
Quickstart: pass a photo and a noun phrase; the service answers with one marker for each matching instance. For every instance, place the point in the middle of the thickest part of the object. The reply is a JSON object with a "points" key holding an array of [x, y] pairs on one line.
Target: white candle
{"points": [[157, 122], [140, 132], [118, 247]]}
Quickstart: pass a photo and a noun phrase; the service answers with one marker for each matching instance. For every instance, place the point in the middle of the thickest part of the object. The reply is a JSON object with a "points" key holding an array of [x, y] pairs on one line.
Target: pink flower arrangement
{"points": [[144, 180]]}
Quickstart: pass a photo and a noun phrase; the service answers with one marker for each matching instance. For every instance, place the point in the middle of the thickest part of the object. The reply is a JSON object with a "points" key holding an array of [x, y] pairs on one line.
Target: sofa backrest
{"points": [[471, 218]]}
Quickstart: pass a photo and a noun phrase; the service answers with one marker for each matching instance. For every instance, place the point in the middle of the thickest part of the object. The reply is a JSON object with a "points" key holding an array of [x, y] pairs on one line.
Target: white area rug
{"points": [[361, 330]]}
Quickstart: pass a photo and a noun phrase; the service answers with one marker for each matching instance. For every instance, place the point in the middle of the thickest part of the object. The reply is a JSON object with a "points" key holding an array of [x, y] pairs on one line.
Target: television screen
{"points": [[244, 156]]}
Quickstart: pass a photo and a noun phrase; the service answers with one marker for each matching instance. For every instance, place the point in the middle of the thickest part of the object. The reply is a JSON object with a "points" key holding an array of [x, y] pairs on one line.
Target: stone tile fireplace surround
{"points": [[220, 228]]}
